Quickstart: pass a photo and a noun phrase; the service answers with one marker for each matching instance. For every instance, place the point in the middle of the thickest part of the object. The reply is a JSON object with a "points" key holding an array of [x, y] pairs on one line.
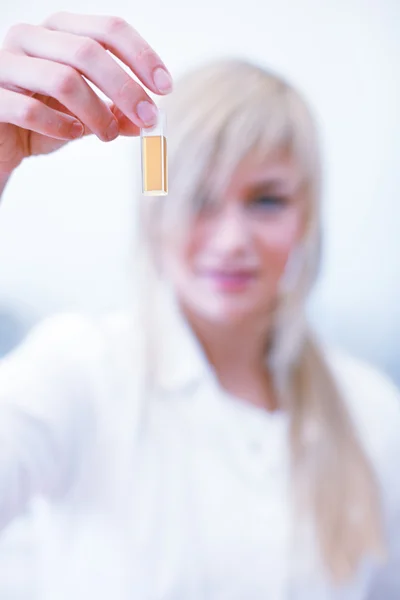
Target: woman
{"points": [[203, 446]]}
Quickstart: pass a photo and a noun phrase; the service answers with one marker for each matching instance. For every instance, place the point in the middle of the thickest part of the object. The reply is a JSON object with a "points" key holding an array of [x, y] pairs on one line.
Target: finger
{"points": [[29, 113], [126, 127], [63, 83], [57, 106], [93, 61], [118, 36]]}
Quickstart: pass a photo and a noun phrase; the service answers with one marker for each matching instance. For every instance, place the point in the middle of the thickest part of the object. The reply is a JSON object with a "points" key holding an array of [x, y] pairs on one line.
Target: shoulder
{"points": [[57, 337], [368, 391], [373, 401]]}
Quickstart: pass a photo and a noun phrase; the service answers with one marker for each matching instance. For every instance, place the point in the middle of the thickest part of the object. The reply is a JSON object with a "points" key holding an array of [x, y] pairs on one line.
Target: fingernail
{"points": [[112, 130], [162, 80], [77, 130], [147, 112]]}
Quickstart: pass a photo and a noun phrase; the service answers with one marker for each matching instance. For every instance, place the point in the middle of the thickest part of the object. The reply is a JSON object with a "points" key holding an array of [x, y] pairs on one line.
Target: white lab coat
{"points": [[182, 497]]}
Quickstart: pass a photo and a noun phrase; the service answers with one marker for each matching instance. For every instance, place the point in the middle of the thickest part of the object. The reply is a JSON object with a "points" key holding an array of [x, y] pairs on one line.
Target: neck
{"points": [[237, 353]]}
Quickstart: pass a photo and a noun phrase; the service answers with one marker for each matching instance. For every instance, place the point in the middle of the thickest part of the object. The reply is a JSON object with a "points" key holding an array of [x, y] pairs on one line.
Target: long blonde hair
{"points": [[216, 115]]}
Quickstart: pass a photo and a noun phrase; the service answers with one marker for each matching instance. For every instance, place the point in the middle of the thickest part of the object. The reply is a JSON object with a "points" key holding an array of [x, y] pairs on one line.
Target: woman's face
{"points": [[229, 265]]}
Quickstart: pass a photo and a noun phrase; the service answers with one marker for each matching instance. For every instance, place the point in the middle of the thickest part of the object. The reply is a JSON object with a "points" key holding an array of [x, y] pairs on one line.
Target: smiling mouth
{"points": [[229, 280]]}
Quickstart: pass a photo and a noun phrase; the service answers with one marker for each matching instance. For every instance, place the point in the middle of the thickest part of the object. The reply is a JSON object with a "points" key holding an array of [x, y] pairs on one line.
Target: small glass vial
{"points": [[154, 158]]}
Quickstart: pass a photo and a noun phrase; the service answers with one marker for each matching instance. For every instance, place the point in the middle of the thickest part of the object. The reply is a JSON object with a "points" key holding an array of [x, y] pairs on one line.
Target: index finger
{"points": [[118, 36]]}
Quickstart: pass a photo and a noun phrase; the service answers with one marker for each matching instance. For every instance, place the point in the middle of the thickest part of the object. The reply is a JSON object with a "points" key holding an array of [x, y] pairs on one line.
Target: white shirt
{"points": [[183, 497]]}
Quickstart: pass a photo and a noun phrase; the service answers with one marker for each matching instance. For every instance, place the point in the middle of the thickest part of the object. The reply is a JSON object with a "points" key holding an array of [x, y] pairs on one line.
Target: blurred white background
{"points": [[66, 220]]}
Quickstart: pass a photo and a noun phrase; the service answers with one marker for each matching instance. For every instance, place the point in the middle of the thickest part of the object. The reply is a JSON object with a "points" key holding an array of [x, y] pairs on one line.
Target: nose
{"points": [[231, 231]]}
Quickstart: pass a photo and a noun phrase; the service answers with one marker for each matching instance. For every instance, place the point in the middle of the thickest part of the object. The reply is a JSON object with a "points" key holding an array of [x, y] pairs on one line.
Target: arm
{"points": [[44, 389], [45, 411]]}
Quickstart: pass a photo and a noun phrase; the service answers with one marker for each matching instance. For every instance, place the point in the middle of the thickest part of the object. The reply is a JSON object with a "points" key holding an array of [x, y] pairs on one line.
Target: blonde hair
{"points": [[216, 115]]}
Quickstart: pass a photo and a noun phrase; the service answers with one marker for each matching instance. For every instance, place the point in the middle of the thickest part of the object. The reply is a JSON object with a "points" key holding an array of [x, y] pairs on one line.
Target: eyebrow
{"points": [[272, 185]]}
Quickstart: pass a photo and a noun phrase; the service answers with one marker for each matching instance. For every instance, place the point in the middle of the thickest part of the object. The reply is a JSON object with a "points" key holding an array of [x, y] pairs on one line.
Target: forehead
{"points": [[279, 168]]}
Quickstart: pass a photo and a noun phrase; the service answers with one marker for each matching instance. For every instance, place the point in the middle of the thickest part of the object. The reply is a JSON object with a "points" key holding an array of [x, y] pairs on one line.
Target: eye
{"points": [[268, 202]]}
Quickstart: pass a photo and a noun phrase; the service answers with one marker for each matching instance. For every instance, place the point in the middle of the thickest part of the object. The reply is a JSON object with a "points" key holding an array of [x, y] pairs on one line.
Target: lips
{"points": [[229, 280]]}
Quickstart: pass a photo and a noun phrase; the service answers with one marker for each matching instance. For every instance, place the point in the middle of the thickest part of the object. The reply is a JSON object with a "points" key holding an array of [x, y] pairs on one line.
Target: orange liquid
{"points": [[154, 165]]}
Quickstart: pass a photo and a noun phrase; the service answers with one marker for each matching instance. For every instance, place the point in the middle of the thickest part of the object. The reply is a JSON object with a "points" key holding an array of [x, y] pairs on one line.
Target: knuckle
{"points": [[15, 32], [54, 18], [28, 111], [129, 89], [143, 52], [87, 51], [114, 25], [66, 82]]}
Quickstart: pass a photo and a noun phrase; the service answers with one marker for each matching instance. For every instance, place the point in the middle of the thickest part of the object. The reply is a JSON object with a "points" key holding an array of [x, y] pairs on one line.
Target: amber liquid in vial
{"points": [[154, 157], [154, 165]]}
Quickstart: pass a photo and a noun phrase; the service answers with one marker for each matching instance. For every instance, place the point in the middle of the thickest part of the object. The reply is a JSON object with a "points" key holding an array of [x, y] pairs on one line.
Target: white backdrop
{"points": [[66, 219]]}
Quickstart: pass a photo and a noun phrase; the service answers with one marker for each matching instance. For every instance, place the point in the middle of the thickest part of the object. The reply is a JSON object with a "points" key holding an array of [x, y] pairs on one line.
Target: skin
{"points": [[46, 102], [227, 270]]}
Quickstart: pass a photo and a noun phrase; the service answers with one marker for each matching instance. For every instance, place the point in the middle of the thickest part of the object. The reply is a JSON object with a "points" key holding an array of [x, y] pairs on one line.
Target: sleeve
{"points": [[46, 412]]}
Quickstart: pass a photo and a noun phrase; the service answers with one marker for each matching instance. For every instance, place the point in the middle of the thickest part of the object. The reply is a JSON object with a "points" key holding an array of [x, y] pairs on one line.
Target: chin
{"points": [[224, 311]]}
